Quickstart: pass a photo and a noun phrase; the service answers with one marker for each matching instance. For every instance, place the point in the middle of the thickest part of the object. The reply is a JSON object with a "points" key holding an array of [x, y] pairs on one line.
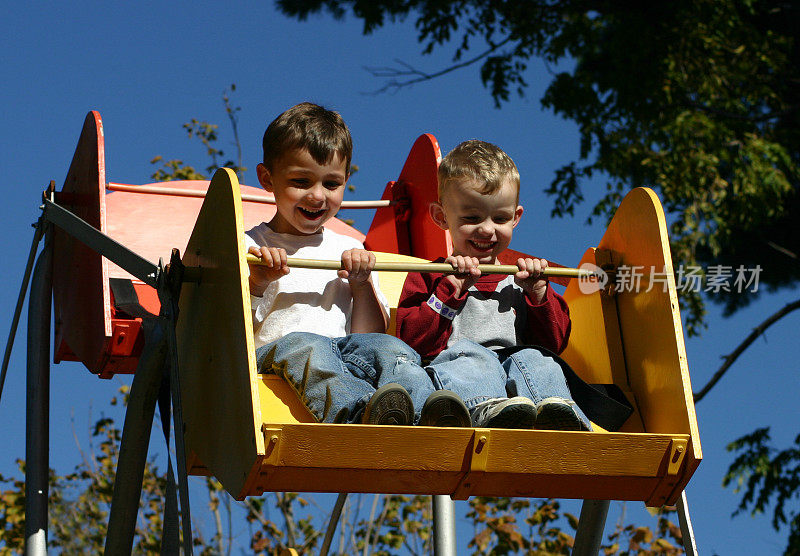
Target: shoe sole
{"points": [[444, 409], [557, 416], [389, 405], [516, 416]]}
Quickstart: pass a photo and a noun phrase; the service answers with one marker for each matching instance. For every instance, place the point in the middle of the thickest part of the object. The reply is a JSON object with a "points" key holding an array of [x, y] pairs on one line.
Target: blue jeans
{"points": [[331, 374], [476, 374]]}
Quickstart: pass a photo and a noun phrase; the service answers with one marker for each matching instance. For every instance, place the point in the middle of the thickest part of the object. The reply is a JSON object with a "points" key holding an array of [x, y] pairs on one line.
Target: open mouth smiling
{"points": [[483, 245], [311, 214]]}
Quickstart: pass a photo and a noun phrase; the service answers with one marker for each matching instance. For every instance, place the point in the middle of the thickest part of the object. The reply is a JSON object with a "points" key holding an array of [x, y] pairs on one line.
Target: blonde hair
{"points": [[308, 126], [480, 161]]}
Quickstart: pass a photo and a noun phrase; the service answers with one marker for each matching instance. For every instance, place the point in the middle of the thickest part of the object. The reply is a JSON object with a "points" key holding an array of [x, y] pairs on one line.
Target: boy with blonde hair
{"points": [[322, 330], [491, 338]]}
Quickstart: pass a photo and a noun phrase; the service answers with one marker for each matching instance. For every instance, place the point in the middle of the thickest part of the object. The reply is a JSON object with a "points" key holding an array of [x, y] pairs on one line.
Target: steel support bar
{"points": [[37, 236], [444, 525], [37, 440], [97, 241], [334, 520], [686, 526], [590, 528], [135, 440], [177, 192], [169, 311]]}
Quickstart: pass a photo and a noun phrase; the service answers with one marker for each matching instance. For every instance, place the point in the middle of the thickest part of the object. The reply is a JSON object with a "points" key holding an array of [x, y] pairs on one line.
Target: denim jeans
{"points": [[476, 374], [331, 374]]}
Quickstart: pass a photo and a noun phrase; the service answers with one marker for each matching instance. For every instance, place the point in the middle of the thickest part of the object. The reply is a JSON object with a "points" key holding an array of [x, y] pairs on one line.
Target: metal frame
{"points": [[127, 490], [37, 438]]}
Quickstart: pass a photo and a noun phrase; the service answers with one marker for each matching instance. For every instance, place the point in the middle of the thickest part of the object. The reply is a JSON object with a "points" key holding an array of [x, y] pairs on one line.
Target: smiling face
{"points": [[481, 225], [307, 193]]}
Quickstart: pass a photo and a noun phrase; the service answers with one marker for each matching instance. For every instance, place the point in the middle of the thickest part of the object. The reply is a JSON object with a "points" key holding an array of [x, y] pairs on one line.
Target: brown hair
{"points": [[308, 126], [480, 161]]}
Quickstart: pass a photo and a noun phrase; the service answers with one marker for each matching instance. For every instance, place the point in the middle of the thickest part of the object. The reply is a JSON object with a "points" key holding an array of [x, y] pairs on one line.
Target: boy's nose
{"points": [[485, 228], [316, 193]]}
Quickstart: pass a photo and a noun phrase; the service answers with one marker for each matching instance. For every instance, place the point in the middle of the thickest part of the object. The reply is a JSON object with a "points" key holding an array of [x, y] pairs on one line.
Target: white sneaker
{"points": [[558, 414], [505, 413]]}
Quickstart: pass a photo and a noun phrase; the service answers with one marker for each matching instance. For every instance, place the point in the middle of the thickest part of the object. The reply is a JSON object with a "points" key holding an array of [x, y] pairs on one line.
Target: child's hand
{"points": [[468, 272], [530, 278], [357, 265], [275, 266]]}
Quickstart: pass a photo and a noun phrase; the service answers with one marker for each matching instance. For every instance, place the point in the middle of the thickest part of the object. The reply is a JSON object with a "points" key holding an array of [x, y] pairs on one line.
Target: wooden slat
{"points": [[650, 323], [216, 353], [430, 460]]}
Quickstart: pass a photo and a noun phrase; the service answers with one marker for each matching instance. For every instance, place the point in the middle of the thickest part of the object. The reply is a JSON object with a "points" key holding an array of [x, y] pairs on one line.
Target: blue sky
{"points": [[149, 67]]}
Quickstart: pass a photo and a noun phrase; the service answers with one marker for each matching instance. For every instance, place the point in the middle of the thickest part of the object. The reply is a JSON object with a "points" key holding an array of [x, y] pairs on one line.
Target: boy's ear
{"points": [[518, 214], [264, 177], [436, 211]]}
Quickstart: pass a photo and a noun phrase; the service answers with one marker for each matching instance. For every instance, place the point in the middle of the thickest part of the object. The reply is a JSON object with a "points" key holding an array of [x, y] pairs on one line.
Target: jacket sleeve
{"points": [[425, 312], [549, 324]]}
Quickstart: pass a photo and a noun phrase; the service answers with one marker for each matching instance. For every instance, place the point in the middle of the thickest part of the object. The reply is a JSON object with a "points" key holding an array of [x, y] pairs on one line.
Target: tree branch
{"points": [[743, 117], [285, 507], [782, 249], [757, 331], [367, 551], [410, 70], [214, 506]]}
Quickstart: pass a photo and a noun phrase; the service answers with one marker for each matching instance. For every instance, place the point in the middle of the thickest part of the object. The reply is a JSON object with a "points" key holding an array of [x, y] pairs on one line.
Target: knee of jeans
{"points": [[294, 336], [304, 338], [516, 360], [534, 354], [401, 350], [464, 345], [475, 351]]}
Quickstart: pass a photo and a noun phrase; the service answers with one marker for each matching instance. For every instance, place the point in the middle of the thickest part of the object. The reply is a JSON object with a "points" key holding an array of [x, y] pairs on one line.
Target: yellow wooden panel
{"points": [[280, 403], [433, 460], [588, 349], [215, 342], [595, 349], [650, 323]]}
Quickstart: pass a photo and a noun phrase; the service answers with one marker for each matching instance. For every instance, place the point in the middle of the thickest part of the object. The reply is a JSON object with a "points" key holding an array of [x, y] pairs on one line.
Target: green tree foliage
{"points": [[79, 502], [768, 476], [699, 100], [207, 133]]}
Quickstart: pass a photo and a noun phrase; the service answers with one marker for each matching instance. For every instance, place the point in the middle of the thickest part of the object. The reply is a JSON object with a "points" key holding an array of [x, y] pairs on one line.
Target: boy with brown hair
{"points": [[322, 330], [484, 333]]}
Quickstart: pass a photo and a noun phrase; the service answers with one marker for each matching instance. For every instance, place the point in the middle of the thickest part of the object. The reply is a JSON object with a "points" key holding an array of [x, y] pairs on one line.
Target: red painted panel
{"points": [[80, 278], [419, 175], [416, 234]]}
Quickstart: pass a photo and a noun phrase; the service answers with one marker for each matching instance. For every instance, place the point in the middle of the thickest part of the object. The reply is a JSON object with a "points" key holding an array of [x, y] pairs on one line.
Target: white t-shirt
{"points": [[305, 300]]}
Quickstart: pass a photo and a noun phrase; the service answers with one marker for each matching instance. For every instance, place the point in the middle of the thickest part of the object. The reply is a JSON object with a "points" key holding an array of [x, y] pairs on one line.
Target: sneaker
{"points": [[444, 408], [505, 413], [558, 414], [389, 405]]}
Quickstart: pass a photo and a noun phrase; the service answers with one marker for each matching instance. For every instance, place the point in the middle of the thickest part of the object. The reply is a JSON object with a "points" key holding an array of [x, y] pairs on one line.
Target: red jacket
{"points": [[495, 313]]}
